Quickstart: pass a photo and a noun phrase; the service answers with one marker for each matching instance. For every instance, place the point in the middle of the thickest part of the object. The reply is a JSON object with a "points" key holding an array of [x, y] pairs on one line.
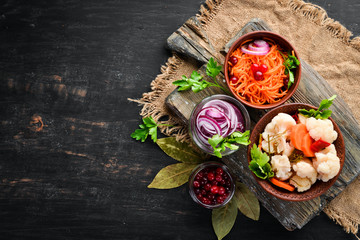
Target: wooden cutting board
{"points": [[192, 41]]}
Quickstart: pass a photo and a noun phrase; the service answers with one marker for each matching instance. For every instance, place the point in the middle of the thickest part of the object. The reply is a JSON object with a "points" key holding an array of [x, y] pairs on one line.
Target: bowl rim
{"points": [[288, 196], [260, 34]]}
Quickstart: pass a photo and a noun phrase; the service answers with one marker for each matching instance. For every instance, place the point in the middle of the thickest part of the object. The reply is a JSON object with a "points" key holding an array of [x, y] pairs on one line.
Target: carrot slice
{"points": [[297, 134], [306, 146], [282, 184]]}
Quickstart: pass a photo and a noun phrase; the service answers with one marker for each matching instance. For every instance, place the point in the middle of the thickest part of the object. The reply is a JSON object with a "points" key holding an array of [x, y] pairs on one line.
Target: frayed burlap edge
{"points": [[159, 87], [208, 10], [349, 224]]}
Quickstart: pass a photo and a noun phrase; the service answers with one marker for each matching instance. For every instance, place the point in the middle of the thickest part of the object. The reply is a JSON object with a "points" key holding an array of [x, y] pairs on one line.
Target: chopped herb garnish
{"points": [[219, 143], [259, 164], [322, 112]]}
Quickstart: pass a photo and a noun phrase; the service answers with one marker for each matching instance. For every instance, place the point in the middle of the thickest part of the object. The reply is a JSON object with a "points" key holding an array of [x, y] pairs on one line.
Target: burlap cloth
{"points": [[322, 42]]}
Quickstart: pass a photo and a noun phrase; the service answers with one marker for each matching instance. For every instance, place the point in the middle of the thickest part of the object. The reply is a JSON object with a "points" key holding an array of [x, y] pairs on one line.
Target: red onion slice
{"points": [[252, 47], [260, 43], [244, 49]]}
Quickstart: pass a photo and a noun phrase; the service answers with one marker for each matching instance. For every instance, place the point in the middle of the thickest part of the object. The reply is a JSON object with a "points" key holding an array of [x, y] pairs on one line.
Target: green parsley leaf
{"points": [[148, 128], [322, 113], [259, 164], [212, 69], [219, 143], [290, 62], [196, 82]]}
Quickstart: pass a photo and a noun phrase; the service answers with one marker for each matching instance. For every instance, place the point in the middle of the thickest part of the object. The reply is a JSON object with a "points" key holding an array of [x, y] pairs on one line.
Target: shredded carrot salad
{"points": [[268, 90]]}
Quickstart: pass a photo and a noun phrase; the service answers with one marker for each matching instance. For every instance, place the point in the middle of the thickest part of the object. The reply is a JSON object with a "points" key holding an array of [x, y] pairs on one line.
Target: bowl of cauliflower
{"points": [[297, 151]]}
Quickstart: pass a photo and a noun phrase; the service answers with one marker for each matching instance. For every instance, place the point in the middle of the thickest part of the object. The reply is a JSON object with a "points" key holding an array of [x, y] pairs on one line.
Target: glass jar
{"points": [[211, 185], [199, 139]]}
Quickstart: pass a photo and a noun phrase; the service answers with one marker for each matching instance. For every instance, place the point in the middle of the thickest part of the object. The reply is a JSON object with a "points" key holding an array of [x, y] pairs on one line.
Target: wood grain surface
{"points": [[68, 167]]}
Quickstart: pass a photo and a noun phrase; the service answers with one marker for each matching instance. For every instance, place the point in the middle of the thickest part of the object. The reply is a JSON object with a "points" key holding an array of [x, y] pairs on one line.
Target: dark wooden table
{"points": [[68, 167]]}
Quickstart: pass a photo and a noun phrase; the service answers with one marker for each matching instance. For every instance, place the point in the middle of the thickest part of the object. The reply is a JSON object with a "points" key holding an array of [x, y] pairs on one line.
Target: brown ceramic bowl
{"points": [[284, 44], [316, 189]]}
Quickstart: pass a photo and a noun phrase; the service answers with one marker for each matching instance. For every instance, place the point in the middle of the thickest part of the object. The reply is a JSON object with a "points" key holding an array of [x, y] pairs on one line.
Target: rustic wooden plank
{"points": [[312, 89]]}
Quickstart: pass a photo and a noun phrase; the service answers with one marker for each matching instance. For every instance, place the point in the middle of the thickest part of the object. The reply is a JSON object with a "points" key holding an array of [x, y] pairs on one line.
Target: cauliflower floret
{"points": [[302, 184], [305, 169], [288, 149], [329, 149], [280, 124], [277, 132], [276, 144], [302, 119], [280, 164], [327, 165], [321, 129]]}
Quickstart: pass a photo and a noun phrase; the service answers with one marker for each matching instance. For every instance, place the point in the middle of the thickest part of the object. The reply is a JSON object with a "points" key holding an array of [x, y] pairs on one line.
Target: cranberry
{"points": [[204, 199], [202, 182], [233, 60], [196, 184], [219, 171], [211, 196], [255, 67], [220, 199], [203, 192], [258, 76], [228, 183], [223, 182], [286, 82], [218, 178], [210, 176], [214, 189], [207, 187], [214, 183], [197, 178], [221, 191], [234, 80], [225, 176], [197, 191], [199, 196], [263, 68]]}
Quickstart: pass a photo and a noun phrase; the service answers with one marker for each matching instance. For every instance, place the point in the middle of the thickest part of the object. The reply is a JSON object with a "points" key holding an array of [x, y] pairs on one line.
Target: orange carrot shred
{"points": [[282, 184]]}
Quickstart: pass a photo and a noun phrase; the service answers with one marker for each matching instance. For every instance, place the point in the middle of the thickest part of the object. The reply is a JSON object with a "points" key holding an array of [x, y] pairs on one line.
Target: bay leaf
{"points": [[181, 152], [172, 176], [246, 201], [223, 219]]}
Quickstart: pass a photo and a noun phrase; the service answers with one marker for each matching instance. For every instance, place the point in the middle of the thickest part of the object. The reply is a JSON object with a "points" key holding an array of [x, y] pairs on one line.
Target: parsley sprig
{"points": [[149, 127], [196, 82], [290, 62], [259, 164], [219, 143], [322, 112]]}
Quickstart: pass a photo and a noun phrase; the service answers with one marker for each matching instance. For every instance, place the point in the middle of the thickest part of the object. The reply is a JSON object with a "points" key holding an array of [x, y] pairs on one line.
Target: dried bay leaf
{"points": [[246, 201], [181, 152], [172, 176], [223, 218]]}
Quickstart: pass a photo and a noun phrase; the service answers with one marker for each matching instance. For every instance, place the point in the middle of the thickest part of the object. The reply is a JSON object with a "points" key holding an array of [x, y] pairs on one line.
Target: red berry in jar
{"points": [[214, 189], [258, 76], [218, 178], [233, 60], [220, 199], [207, 187], [263, 68], [255, 67], [210, 176], [196, 184], [221, 191], [234, 80], [219, 171]]}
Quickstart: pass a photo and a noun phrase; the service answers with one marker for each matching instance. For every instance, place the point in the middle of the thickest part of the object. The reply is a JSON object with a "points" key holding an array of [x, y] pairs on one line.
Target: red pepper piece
{"points": [[319, 145]]}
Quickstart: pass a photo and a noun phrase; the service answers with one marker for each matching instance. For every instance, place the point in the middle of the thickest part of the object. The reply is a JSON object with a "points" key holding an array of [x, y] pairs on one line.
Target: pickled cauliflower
{"points": [[280, 164], [326, 164], [321, 129], [301, 184], [305, 169], [276, 134]]}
